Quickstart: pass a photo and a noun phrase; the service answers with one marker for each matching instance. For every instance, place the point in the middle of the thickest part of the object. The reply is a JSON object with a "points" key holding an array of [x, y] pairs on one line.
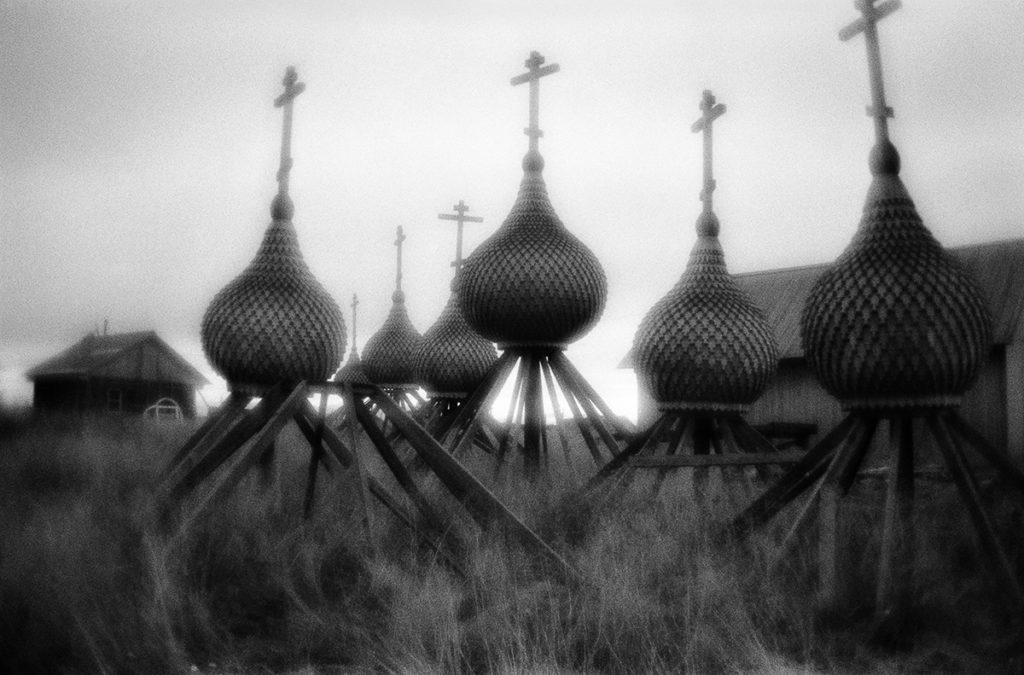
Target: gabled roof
{"points": [[997, 266], [140, 355]]}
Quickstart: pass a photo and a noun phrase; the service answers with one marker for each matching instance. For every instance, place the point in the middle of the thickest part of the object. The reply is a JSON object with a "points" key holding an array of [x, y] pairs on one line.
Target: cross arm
{"points": [[535, 74], [714, 114], [461, 218], [881, 11], [294, 91]]}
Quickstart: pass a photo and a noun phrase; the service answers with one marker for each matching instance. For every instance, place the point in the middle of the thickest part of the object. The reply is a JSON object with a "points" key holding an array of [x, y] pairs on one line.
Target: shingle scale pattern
{"points": [[452, 358], [274, 322], [532, 282], [705, 345], [388, 354], [897, 320]]}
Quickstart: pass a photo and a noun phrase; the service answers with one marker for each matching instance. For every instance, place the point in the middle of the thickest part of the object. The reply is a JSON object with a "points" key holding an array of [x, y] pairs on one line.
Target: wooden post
{"points": [[536, 71], [894, 591]]}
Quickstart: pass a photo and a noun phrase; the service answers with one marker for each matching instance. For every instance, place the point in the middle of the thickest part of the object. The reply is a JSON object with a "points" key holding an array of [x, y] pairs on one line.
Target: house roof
{"points": [[997, 266], [140, 355]]}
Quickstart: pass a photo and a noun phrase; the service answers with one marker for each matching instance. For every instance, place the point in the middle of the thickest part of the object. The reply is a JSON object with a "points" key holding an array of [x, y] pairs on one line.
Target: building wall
{"points": [[111, 395]]}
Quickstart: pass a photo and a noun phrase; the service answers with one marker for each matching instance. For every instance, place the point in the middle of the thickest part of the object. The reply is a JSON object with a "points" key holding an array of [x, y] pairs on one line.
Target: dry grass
{"points": [[89, 584]]}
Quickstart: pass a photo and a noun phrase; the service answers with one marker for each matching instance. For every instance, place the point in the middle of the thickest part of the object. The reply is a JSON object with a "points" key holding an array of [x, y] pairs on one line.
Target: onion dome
{"points": [[389, 353], [896, 321], [353, 372], [532, 282], [452, 359], [274, 322], [705, 345]]}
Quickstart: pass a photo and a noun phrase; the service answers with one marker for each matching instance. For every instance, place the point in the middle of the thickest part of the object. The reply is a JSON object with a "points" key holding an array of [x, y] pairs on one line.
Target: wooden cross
{"points": [[355, 303], [536, 71], [399, 238], [867, 24], [292, 88], [460, 217], [710, 111]]}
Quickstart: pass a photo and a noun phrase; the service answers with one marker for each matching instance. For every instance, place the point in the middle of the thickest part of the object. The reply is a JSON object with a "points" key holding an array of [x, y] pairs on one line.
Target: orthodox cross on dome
{"points": [[710, 111], [460, 217], [867, 24], [537, 70], [355, 303], [292, 88], [399, 238]]}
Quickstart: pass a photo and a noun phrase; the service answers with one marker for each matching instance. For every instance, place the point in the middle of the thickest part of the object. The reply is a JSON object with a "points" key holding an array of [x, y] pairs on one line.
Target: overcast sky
{"points": [[140, 144]]}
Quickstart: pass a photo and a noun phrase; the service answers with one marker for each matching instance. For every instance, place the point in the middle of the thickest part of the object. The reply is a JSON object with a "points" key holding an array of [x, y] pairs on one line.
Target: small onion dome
{"points": [[388, 355], [532, 282], [452, 359], [352, 372], [896, 321], [274, 322], [705, 345]]}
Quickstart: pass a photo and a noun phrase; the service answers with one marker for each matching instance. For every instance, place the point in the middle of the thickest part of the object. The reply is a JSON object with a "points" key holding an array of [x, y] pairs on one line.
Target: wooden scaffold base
{"points": [[243, 438], [829, 470]]}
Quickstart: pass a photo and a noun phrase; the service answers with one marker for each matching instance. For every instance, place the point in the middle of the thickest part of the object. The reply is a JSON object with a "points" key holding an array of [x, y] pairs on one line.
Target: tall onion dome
{"points": [[388, 355], [705, 345], [353, 371], [896, 321], [275, 323], [453, 359], [532, 282]]}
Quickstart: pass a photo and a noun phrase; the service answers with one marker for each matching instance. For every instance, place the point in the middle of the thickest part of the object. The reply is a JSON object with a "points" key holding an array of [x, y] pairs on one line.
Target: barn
{"points": [[795, 401], [119, 373]]}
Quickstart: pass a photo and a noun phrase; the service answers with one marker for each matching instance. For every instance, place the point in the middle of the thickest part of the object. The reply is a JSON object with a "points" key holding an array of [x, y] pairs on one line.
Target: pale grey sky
{"points": [[140, 144]]}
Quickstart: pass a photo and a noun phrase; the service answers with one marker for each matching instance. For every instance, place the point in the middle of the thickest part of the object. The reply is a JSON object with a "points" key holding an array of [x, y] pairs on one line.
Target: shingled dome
{"points": [[705, 345], [532, 282], [452, 358], [388, 355], [274, 322], [896, 321]]}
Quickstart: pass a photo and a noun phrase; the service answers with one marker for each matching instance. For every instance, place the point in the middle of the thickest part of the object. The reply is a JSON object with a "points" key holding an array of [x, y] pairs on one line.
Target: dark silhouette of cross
{"points": [[460, 217], [867, 24], [399, 238], [537, 70], [710, 111], [292, 88]]}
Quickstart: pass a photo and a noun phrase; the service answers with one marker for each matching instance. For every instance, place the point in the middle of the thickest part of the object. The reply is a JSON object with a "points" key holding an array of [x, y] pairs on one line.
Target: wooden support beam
{"points": [[556, 407], [703, 461], [971, 497], [215, 425], [479, 403], [634, 447], [1001, 462], [563, 364], [477, 499], [533, 413], [894, 590]]}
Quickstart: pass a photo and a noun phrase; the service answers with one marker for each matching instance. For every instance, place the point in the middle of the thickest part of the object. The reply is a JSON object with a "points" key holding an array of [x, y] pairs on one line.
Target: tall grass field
{"points": [[90, 582]]}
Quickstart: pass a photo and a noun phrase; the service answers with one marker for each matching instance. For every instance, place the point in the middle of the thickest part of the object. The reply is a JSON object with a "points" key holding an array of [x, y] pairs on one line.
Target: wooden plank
{"points": [[618, 423], [482, 505], [213, 427], [893, 591], [556, 407], [640, 442], [533, 411], [698, 461], [971, 496], [480, 401]]}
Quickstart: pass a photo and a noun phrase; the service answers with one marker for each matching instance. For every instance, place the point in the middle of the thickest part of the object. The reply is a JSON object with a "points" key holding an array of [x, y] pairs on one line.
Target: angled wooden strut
{"points": [[829, 470], [541, 375], [235, 438]]}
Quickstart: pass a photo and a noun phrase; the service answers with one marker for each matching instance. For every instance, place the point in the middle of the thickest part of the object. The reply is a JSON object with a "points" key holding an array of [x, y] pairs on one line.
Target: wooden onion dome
{"points": [[705, 345], [532, 282], [453, 359], [897, 331], [275, 323], [896, 322], [353, 371], [388, 355]]}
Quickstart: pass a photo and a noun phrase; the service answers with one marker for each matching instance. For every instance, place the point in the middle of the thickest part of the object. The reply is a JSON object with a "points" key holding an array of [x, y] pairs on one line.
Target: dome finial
{"points": [[281, 208], [460, 217], [884, 155], [537, 70], [711, 110], [399, 296], [355, 303]]}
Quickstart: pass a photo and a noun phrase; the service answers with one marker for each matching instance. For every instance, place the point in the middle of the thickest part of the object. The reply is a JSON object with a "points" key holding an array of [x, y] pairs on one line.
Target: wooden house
{"points": [[124, 373], [995, 403]]}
